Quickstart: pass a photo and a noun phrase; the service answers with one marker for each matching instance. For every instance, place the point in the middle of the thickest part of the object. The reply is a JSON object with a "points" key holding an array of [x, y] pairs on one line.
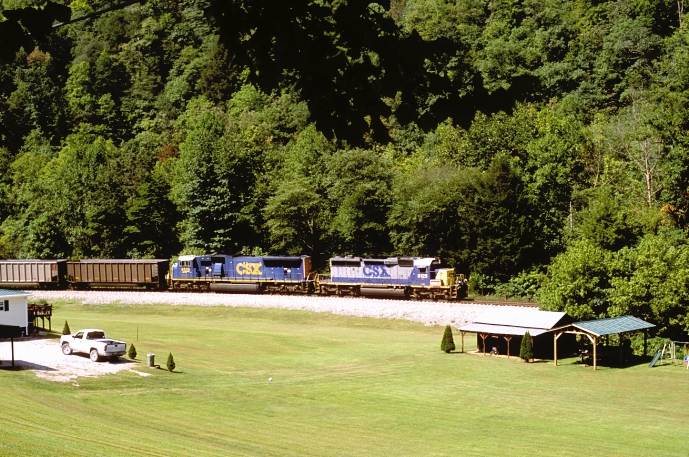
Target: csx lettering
{"points": [[377, 271], [246, 268]]}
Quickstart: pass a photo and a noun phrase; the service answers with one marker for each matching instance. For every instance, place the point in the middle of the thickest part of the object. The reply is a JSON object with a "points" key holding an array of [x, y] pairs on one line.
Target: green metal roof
{"points": [[613, 325], [7, 293]]}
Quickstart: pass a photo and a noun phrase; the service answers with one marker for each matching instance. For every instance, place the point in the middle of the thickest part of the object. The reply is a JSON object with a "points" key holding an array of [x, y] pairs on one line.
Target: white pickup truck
{"points": [[92, 341]]}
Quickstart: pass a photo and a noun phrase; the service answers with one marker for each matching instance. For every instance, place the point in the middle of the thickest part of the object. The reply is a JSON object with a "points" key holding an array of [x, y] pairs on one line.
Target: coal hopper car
{"points": [[33, 274], [118, 273]]}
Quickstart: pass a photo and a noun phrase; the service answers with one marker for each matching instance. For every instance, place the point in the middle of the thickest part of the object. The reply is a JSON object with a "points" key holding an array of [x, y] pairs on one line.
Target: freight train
{"points": [[401, 277]]}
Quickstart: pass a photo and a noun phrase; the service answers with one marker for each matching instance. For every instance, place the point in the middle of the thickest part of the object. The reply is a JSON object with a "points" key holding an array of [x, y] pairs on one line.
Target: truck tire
{"points": [[66, 350], [94, 355]]}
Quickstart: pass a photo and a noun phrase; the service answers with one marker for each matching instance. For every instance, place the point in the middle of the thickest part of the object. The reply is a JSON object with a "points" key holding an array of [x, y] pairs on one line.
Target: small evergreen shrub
{"points": [[131, 353], [170, 362], [66, 330], [526, 350], [448, 343]]}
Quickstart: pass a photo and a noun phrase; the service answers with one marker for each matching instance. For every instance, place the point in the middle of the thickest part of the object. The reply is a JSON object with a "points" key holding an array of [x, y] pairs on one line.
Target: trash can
{"points": [[151, 359]]}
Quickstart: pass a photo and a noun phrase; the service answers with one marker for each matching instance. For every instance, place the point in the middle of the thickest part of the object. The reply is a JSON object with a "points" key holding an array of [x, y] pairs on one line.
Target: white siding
{"points": [[17, 315]]}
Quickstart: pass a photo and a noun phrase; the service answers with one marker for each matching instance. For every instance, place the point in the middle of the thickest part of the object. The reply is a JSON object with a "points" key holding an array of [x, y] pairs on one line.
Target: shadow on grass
{"points": [[116, 361], [24, 365]]}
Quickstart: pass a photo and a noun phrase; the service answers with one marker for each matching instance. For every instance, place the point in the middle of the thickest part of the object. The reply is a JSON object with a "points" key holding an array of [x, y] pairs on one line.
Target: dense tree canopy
{"points": [[538, 146]]}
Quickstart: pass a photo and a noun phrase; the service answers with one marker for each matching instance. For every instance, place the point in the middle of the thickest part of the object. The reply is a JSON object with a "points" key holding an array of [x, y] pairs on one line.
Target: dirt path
{"points": [[44, 357]]}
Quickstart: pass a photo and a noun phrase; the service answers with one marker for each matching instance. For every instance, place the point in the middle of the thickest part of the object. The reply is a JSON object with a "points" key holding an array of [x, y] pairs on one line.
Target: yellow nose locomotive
{"points": [[402, 277]]}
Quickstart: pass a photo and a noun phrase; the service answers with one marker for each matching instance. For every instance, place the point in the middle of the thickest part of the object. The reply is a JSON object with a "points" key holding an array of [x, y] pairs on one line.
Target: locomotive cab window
{"points": [[422, 269], [4, 305], [434, 269]]}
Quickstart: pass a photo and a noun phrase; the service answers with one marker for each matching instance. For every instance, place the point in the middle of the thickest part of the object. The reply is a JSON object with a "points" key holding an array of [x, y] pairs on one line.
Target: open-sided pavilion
{"points": [[594, 330], [496, 324]]}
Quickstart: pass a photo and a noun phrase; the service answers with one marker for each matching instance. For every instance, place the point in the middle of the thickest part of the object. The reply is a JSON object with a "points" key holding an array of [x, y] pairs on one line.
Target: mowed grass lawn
{"points": [[341, 386]]}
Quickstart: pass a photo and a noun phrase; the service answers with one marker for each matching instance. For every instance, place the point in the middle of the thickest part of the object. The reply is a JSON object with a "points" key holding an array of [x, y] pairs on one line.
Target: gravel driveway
{"points": [[44, 357]]}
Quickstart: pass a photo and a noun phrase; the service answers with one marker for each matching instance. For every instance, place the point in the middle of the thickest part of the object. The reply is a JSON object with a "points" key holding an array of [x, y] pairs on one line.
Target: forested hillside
{"points": [[540, 146]]}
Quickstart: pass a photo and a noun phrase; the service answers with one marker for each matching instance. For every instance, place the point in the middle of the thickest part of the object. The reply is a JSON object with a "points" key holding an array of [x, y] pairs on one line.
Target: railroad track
{"points": [[468, 301]]}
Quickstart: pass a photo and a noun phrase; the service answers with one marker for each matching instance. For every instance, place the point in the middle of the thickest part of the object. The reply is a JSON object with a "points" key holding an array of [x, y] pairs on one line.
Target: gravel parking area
{"points": [[44, 357], [428, 313]]}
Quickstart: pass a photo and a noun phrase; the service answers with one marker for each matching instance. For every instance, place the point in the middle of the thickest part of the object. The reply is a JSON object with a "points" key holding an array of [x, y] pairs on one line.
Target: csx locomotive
{"points": [[402, 277]]}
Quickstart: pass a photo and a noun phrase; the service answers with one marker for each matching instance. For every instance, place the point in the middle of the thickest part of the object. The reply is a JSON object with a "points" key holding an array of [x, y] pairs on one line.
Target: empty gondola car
{"points": [[245, 274], [137, 273], [33, 274], [402, 277]]}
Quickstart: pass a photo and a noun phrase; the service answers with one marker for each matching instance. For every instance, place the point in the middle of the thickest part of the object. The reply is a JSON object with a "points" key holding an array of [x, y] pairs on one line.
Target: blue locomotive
{"points": [[247, 274], [403, 277]]}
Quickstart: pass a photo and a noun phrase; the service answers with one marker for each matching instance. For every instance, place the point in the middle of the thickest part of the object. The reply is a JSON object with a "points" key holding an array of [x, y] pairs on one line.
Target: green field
{"points": [[341, 386]]}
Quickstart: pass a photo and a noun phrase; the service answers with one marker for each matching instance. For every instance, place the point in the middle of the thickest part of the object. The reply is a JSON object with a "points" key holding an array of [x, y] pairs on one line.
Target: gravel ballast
{"points": [[428, 313]]}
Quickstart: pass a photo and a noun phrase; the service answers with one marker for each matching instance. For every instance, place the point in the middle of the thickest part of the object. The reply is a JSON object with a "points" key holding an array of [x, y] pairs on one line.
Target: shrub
{"points": [[653, 345], [170, 362], [66, 330], [131, 353], [448, 343], [526, 350]]}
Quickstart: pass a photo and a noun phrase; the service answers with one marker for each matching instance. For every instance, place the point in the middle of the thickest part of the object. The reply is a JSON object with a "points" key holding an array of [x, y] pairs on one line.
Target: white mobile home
{"points": [[14, 309]]}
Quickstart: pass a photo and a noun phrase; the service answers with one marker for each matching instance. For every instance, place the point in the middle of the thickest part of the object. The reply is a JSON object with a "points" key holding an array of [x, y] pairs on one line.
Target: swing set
{"points": [[673, 353]]}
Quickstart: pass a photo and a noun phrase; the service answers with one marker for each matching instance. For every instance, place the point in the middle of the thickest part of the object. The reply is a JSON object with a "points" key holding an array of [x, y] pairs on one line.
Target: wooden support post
{"points": [[462, 331], [508, 339], [620, 340], [483, 337], [645, 340], [557, 335], [595, 353]]}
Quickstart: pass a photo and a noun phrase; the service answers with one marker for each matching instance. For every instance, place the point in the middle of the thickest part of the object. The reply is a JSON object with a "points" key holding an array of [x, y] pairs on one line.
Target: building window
{"points": [[4, 305]]}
